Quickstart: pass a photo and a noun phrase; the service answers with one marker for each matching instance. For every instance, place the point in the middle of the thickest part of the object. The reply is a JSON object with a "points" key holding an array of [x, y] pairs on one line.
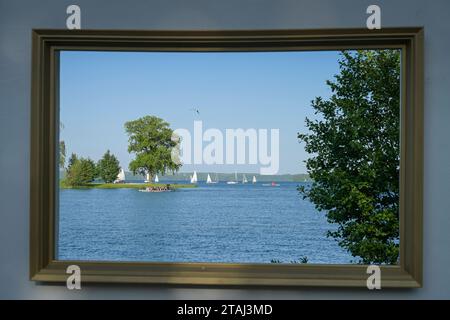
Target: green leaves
{"points": [[80, 171], [108, 167], [355, 148], [150, 138], [62, 154]]}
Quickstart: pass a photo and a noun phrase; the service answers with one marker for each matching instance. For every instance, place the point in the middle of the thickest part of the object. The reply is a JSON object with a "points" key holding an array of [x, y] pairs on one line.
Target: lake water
{"points": [[210, 223]]}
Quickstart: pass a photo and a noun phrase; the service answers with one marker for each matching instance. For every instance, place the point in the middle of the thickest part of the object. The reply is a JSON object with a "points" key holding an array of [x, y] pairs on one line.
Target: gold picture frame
{"points": [[44, 146]]}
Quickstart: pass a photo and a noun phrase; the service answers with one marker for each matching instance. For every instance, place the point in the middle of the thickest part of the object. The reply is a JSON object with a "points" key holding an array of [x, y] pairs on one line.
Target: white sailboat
{"points": [[147, 178], [194, 177], [208, 179], [254, 179], [235, 179], [156, 179], [244, 179], [216, 179], [120, 177]]}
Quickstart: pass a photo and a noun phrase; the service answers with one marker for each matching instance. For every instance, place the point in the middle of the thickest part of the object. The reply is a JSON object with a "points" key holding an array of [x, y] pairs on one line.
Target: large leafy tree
{"points": [[108, 167], [354, 147], [80, 172], [150, 139]]}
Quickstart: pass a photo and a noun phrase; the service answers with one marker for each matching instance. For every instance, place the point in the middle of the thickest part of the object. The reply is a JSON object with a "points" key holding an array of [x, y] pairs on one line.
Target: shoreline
{"points": [[127, 186]]}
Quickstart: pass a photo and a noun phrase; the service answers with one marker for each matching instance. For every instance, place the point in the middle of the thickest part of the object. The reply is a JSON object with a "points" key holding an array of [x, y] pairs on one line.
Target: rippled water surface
{"points": [[210, 223]]}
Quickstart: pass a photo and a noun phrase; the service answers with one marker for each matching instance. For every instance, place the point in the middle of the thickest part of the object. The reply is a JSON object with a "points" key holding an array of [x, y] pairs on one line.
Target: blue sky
{"points": [[100, 91]]}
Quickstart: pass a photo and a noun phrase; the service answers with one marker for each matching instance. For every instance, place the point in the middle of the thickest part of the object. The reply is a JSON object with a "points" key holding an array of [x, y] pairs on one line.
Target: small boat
{"points": [[156, 189], [194, 177], [233, 181], [147, 178], [120, 177], [254, 179], [156, 178], [210, 181], [244, 179], [273, 184]]}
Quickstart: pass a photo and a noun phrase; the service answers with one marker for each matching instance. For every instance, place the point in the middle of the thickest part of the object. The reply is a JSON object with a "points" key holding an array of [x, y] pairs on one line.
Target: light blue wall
{"points": [[18, 17]]}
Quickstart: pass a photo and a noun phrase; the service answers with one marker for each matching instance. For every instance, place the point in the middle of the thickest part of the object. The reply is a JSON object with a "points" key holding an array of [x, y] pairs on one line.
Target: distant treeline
{"points": [[185, 176]]}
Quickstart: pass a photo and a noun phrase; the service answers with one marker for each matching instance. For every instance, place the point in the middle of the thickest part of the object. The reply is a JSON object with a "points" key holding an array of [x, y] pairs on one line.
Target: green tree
{"points": [[80, 172], [108, 167], [355, 155], [73, 158], [62, 149], [150, 139], [62, 154]]}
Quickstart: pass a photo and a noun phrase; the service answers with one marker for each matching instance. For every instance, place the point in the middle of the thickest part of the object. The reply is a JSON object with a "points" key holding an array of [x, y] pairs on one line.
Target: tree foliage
{"points": [[108, 167], [150, 139], [355, 155], [62, 154], [80, 171], [73, 158], [62, 149]]}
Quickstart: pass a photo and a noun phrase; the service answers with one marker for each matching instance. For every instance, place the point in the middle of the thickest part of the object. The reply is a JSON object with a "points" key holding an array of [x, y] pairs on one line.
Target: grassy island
{"points": [[125, 185]]}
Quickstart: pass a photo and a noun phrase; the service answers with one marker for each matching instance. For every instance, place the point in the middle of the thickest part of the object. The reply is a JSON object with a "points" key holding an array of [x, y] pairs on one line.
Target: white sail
{"points": [[208, 179], [194, 177], [244, 179], [156, 179], [254, 179], [120, 176], [147, 178]]}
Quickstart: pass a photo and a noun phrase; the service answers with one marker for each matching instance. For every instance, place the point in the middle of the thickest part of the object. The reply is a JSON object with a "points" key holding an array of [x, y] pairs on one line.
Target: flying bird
{"points": [[196, 111]]}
